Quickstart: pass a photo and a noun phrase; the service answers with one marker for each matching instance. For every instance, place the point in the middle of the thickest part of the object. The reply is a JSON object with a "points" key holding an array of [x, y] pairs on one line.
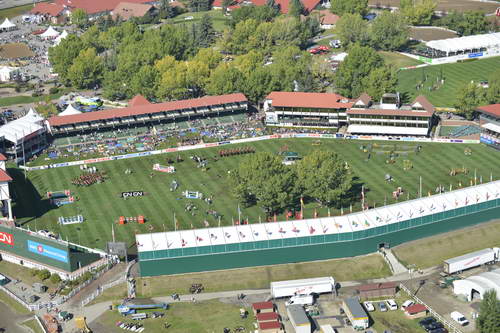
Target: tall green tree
{"points": [[80, 18], [86, 70], [205, 32], [322, 177], [351, 29], [166, 11], [342, 7], [199, 5], [263, 180], [351, 77], [296, 8], [474, 22], [145, 82], [470, 96], [381, 80], [62, 56], [418, 12], [225, 79], [493, 92], [489, 313], [389, 31]]}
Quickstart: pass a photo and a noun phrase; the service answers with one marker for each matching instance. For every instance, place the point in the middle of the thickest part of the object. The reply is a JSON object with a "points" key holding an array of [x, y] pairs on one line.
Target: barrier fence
{"points": [[237, 141], [447, 323]]}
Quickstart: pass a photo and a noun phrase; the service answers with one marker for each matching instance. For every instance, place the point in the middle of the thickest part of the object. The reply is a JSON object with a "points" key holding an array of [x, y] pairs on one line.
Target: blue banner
{"points": [[47, 251], [475, 55]]}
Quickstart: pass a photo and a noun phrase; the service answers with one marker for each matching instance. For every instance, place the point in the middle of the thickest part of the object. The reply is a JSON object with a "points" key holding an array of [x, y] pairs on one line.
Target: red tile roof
{"points": [[51, 9], [4, 176], [138, 100], [268, 325], [2, 157], [425, 103], [146, 109], [415, 308], [308, 100], [127, 10], [267, 316], [377, 286], [492, 110], [263, 305], [95, 6], [327, 17]]}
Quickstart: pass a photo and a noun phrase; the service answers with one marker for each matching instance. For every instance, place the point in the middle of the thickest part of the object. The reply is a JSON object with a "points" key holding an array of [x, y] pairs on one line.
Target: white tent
{"points": [[16, 130], [63, 35], [50, 33], [7, 25], [7, 73], [69, 111], [466, 43]]}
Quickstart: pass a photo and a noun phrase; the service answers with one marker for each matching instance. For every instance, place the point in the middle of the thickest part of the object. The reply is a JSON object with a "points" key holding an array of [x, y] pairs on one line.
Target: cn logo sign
{"points": [[6, 238]]}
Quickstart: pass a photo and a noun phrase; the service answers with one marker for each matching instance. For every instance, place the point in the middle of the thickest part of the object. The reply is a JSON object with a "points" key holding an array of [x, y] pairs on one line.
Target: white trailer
{"points": [[471, 260], [302, 287]]}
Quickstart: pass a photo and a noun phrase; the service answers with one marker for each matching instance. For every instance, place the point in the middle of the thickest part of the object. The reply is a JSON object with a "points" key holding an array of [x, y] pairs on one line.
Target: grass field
{"points": [[33, 325], [14, 11], [218, 19], [101, 206], [395, 320], [434, 250], [209, 316], [456, 75], [22, 273], [446, 130], [398, 60], [359, 268], [13, 305]]}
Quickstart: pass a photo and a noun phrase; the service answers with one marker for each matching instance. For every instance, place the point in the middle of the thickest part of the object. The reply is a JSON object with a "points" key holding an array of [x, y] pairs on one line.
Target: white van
{"points": [[406, 304], [459, 318], [300, 299], [392, 304]]}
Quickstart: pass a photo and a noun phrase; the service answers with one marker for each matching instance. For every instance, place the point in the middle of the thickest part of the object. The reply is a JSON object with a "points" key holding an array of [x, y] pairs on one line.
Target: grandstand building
{"points": [[283, 242], [24, 137], [143, 113], [303, 109], [390, 116], [490, 125], [459, 48]]}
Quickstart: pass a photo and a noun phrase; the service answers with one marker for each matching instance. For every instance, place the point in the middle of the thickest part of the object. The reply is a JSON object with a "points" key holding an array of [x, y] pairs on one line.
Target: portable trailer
{"points": [[471, 260], [302, 287]]}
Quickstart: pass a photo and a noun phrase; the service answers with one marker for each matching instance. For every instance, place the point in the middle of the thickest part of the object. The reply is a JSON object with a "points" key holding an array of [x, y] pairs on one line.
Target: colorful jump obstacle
{"points": [[134, 219], [70, 219], [163, 168], [60, 198]]}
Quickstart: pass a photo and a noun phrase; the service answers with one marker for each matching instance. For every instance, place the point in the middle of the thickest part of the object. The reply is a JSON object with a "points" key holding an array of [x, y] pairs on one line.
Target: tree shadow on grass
{"points": [[29, 204]]}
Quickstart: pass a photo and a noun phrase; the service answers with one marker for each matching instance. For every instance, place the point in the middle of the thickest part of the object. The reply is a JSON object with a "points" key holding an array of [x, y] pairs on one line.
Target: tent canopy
{"points": [[20, 128], [69, 111], [466, 43], [50, 33], [7, 24]]}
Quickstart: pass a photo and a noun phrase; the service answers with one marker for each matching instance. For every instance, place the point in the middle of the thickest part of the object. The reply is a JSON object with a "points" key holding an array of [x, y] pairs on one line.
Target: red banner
{"points": [[6, 238]]}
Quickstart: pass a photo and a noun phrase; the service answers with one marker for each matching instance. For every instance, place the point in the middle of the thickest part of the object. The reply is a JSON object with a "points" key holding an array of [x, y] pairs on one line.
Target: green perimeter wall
{"points": [[75, 257], [313, 248]]}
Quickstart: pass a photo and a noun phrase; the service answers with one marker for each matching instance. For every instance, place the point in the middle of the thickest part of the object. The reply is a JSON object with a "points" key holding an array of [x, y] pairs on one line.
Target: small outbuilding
{"points": [[270, 327], [356, 314], [7, 25], [262, 307], [267, 316], [299, 318], [374, 290], [416, 311]]}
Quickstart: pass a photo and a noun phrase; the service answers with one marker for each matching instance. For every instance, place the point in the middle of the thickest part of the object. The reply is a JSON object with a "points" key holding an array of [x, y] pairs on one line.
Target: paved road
{"points": [[9, 320]]}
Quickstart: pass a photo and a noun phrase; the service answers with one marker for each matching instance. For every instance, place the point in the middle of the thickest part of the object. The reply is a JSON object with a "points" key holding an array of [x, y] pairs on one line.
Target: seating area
{"points": [[464, 130]]}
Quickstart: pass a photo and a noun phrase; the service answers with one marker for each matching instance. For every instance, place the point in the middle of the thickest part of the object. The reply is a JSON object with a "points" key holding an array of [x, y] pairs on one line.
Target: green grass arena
{"points": [[101, 205]]}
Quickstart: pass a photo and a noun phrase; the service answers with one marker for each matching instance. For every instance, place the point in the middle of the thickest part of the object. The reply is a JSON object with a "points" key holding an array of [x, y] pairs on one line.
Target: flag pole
{"points": [[219, 221], [175, 223], [420, 187]]}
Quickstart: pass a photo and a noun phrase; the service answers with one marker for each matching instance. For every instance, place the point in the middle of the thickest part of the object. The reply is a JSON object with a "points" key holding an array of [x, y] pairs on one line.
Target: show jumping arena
{"points": [[350, 235]]}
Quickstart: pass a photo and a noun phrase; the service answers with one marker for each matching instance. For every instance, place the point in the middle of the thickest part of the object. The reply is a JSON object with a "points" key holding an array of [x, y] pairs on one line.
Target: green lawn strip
{"points": [[219, 21], [14, 11], [14, 100], [33, 325], [447, 130], [14, 271], [398, 60], [207, 316], [358, 268], [101, 206], [394, 320], [434, 250], [115, 293], [12, 304], [456, 75]]}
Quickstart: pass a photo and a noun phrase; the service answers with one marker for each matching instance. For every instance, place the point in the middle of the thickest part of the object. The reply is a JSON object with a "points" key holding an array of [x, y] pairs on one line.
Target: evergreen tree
{"points": [[296, 8], [489, 313], [205, 32]]}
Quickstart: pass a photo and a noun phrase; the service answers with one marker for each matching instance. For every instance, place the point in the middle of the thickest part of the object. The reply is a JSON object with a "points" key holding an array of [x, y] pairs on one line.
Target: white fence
{"points": [[436, 315], [101, 289], [237, 141]]}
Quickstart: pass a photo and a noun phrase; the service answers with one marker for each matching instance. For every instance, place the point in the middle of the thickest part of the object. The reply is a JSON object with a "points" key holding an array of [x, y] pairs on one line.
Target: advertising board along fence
{"points": [[246, 140]]}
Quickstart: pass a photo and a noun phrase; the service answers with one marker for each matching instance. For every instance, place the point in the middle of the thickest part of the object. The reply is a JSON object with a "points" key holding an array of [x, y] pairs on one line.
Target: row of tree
{"points": [[264, 180]]}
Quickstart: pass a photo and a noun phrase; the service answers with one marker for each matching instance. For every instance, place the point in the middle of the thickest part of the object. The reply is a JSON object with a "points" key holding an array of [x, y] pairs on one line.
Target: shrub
{"points": [[55, 278], [43, 274], [53, 90]]}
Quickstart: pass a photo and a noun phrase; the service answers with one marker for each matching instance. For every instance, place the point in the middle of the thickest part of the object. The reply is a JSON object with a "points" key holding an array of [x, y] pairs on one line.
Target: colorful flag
{"points": [[315, 213], [329, 212]]}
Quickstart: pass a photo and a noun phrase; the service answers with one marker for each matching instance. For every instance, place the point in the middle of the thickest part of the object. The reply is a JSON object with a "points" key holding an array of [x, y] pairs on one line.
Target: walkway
{"points": [[394, 264]]}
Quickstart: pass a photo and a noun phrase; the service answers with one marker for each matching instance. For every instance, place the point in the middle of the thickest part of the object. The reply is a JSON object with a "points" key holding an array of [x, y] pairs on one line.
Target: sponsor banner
{"points": [[224, 143], [366, 137], [339, 135], [213, 144], [47, 251], [475, 55], [274, 136], [303, 135], [456, 141], [169, 150], [133, 194], [60, 165], [314, 135], [6, 238]]}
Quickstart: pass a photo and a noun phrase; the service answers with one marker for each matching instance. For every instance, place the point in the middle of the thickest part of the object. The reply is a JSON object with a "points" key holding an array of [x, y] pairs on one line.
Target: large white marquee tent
{"points": [[475, 42], [478, 285], [20, 128]]}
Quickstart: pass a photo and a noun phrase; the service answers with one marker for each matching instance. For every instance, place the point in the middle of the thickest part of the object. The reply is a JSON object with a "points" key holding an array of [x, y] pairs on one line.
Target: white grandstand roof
{"points": [[492, 127], [466, 43], [20, 128], [320, 226]]}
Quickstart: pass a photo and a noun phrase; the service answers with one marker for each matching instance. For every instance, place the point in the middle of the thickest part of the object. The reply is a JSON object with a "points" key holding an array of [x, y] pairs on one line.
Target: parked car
{"points": [[406, 304], [426, 321], [433, 326], [392, 304], [439, 330], [459, 318], [369, 306], [382, 306]]}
